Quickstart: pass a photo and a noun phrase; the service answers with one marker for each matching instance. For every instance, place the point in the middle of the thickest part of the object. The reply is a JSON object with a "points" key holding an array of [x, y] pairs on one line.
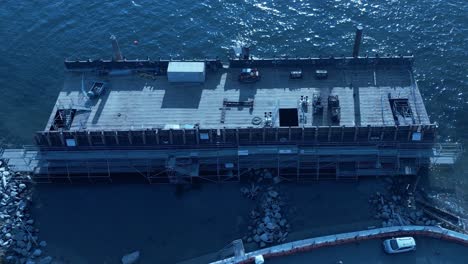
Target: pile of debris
{"points": [[394, 211], [268, 224], [396, 207], [18, 237]]}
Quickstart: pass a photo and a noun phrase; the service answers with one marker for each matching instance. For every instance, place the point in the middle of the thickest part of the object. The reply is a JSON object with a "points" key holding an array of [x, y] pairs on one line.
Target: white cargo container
{"points": [[182, 71]]}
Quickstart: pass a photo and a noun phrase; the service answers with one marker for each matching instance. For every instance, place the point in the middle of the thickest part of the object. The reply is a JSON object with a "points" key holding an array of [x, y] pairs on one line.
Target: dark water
{"points": [[37, 35]]}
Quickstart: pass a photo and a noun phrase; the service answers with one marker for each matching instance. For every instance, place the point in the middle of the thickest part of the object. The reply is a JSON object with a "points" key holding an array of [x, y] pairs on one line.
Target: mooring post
{"points": [[357, 41], [116, 48]]}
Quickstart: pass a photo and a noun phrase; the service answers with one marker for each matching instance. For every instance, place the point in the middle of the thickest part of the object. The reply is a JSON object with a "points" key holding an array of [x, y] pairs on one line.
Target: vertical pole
{"points": [[62, 138], [342, 132], [369, 132], [298, 165], [148, 171], [238, 165], [357, 41], [108, 171], [49, 141], [130, 139], [156, 134], [337, 168], [68, 172], [116, 135], [116, 49], [410, 132], [103, 138], [76, 139], [90, 141], [89, 173], [217, 166], [396, 133], [318, 168], [278, 164]]}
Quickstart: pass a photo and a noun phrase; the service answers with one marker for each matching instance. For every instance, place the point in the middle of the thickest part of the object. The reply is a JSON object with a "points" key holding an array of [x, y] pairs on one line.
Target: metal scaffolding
{"points": [[289, 163]]}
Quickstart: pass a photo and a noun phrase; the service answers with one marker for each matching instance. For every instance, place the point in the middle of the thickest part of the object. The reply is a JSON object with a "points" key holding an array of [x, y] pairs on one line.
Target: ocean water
{"points": [[36, 36]]}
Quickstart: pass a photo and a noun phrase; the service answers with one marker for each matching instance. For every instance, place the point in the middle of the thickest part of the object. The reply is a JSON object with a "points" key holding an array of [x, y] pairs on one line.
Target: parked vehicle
{"points": [[399, 245]]}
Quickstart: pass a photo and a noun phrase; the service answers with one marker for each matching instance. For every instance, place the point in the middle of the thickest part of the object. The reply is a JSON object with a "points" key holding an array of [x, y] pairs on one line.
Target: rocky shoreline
{"points": [[268, 224], [19, 237], [396, 206]]}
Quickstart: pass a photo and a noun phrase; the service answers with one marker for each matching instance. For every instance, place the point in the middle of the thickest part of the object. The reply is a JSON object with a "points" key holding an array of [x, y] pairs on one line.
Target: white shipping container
{"points": [[182, 71]]}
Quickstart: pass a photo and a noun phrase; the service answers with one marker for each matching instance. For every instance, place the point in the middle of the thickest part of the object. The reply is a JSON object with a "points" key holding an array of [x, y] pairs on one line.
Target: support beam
{"points": [[116, 135], [49, 142], [395, 136], [369, 132], [103, 138], [130, 139], [90, 140], [62, 138], [342, 133], [410, 132]]}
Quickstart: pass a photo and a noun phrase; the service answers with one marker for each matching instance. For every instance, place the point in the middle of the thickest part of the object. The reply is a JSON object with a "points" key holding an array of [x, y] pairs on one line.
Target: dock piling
{"points": [[116, 49], [357, 41]]}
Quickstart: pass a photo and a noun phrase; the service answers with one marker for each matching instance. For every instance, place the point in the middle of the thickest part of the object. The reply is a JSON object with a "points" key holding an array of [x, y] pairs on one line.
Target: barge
{"points": [[180, 121]]}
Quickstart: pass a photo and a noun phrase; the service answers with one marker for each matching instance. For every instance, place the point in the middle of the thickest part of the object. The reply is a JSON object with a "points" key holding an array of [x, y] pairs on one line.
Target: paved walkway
{"points": [[429, 250]]}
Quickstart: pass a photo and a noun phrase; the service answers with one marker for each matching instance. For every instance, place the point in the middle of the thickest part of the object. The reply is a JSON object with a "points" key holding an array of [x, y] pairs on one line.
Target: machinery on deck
{"points": [[249, 75]]}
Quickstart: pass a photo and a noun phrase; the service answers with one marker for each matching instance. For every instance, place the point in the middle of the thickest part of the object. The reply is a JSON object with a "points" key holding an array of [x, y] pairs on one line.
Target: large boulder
{"points": [[46, 260], [131, 258]]}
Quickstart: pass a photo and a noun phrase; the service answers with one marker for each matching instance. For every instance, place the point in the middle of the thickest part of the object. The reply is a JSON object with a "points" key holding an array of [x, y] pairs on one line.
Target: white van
{"points": [[399, 245]]}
